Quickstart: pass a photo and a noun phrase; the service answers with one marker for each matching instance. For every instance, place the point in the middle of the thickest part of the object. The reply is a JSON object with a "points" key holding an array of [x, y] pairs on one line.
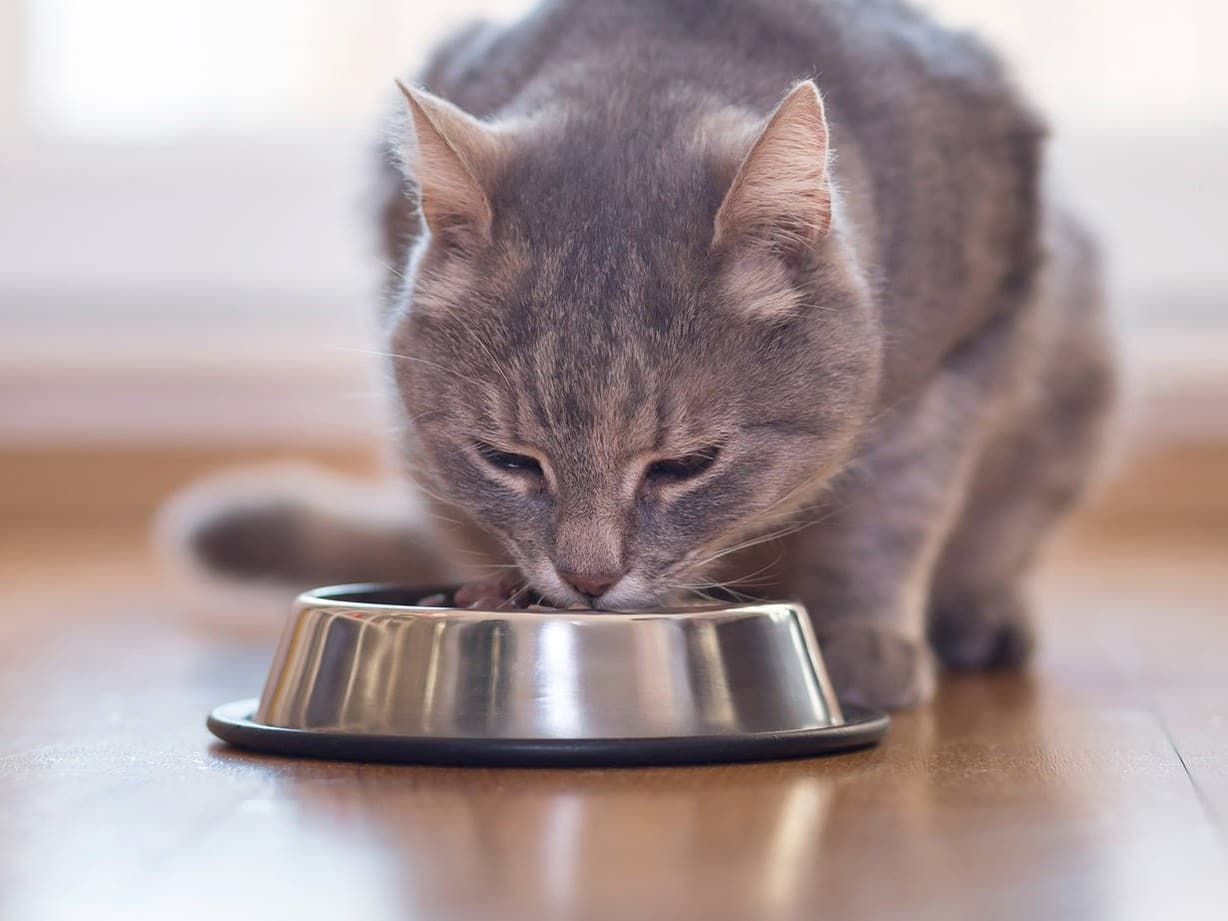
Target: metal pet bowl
{"points": [[363, 673]]}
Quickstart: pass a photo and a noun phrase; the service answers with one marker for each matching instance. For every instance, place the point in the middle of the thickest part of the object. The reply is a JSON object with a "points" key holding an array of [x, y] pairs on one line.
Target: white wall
{"points": [[1138, 97], [182, 184]]}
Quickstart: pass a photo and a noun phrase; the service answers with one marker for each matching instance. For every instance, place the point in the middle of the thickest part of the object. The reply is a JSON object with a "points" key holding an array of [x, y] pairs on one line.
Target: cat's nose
{"points": [[593, 586]]}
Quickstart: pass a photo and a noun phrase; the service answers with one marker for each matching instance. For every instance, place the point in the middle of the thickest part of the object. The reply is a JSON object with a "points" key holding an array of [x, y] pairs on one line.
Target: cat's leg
{"points": [[864, 569], [1031, 473], [979, 615]]}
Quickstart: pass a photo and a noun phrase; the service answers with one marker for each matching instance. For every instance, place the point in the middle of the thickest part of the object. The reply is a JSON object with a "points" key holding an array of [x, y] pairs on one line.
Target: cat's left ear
{"points": [[447, 155], [781, 195]]}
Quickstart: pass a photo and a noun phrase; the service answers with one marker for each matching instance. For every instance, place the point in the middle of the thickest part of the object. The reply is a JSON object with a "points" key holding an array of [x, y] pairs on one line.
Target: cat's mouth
{"points": [[503, 594], [516, 593]]}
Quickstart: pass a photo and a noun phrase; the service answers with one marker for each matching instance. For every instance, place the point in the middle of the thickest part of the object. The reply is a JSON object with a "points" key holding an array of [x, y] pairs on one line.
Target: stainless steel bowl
{"points": [[363, 672]]}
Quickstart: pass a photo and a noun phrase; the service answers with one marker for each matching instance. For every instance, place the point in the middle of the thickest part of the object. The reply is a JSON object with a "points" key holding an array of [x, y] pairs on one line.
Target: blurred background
{"points": [[188, 269]]}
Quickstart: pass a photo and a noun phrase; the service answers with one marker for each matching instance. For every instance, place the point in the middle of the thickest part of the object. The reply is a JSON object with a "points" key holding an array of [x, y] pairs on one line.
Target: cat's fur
{"points": [[633, 250]]}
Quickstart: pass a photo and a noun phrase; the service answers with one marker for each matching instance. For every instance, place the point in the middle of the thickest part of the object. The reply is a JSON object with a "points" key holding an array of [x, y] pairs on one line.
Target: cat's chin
{"points": [[629, 595], [633, 595], [633, 592]]}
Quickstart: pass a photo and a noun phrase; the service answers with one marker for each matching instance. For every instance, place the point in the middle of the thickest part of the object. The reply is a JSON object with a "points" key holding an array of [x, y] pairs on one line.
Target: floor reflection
{"points": [[713, 842], [1000, 773]]}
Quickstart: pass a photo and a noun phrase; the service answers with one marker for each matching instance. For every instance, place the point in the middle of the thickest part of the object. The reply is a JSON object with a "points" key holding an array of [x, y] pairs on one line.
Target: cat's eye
{"points": [[676, 469], [506, 460]]}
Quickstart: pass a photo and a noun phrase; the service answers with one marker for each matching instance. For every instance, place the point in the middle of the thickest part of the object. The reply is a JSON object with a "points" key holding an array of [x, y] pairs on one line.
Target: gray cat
{"points": [[754, 293]]}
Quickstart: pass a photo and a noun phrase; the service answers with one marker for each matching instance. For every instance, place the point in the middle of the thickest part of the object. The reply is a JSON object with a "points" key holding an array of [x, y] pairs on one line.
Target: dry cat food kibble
{"points": [[495, 595]]}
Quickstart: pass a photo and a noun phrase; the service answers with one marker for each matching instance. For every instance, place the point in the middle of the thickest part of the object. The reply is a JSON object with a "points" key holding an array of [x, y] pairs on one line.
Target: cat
{"points": [[765, 294]]}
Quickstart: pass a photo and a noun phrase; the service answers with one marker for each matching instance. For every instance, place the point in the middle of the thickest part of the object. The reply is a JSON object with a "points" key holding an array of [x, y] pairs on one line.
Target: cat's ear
{"points": [[446, 154], [781, 195]]}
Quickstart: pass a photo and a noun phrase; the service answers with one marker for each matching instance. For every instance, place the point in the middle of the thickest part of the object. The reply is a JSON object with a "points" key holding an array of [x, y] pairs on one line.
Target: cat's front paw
{"points": [[876, 666], [992, 630]]}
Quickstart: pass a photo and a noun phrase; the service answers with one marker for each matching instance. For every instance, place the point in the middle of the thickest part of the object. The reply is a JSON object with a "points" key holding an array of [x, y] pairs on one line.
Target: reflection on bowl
{"points": [[368, 662]]}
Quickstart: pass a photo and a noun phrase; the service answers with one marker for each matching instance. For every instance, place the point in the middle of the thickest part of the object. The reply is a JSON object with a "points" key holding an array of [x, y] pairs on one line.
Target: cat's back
{"points": [[745, 51]]}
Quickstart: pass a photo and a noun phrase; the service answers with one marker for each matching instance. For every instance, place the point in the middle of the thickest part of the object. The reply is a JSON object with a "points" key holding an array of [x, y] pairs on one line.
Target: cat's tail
{"points": [[240, 544]]}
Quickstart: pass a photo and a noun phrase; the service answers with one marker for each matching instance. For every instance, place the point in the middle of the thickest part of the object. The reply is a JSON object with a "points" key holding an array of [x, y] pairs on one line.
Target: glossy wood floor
{"points": [[1094, 787]]}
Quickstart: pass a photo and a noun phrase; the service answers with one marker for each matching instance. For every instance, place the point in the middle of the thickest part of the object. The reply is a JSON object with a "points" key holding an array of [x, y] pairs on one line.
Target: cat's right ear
{"points": [[446, 154]]}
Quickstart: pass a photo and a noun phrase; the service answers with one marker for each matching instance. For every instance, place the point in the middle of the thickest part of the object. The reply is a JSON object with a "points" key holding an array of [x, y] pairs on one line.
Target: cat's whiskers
{"points": [[499, 561], [754, 542], [394, 270], [726, 585], [398, 357], [438, 517], [699, 588], [416, 476], [472, 333], [776, 535], [740, 580], [483, 346], [766, 517]]}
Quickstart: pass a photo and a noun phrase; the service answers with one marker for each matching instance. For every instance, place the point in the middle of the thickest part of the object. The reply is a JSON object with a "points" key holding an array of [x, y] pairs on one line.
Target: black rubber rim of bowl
{"points": [[233, 723]]}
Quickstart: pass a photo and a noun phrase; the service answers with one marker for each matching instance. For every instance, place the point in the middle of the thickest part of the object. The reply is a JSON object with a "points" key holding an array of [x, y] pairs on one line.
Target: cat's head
{"points": [[629, 338]]}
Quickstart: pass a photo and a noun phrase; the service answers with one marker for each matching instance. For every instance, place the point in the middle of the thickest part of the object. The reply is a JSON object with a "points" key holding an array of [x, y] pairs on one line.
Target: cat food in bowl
{"points": [[384, 673], [506, 594]]}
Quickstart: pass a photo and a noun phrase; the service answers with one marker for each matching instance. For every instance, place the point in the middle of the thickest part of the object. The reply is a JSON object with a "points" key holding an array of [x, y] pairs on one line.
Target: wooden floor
{"points": [[1094, 787]]}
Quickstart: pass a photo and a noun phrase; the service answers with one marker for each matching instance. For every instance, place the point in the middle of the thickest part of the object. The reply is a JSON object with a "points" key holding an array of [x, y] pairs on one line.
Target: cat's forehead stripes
{"points": [[608, 407]]}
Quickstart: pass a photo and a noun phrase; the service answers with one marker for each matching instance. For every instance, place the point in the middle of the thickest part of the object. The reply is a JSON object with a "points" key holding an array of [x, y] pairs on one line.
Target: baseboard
{"points": [[95, 486], [1182, 486]]}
